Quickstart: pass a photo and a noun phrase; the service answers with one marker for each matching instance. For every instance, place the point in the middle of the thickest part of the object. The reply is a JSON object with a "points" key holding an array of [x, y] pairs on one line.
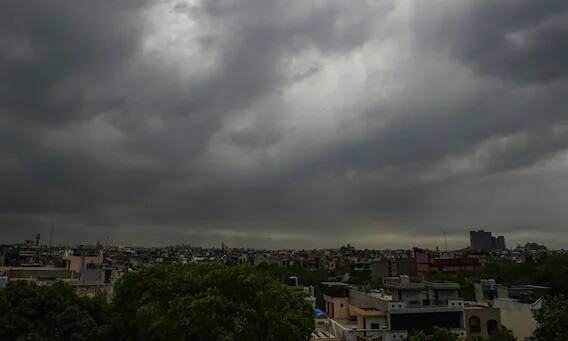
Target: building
{"points": [[40, 275], [488, 290], [336, 298], [518, 316], [82, 258], [500, 243], [483, 241], [403, 307], [393, 267], [516, 304], [481, 320], [423, 305], [455, 264]]}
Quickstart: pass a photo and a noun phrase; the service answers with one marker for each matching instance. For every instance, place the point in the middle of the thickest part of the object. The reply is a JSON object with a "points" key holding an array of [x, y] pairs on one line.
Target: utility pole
{"points": [[446, 241]]}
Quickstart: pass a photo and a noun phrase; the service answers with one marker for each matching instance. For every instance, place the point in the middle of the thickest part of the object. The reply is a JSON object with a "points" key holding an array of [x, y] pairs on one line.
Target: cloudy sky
{"points": [[283, 123]]}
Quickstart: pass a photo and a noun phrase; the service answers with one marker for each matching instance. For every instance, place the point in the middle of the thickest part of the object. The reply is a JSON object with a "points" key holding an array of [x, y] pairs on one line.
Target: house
{"points": [[403, 307]]}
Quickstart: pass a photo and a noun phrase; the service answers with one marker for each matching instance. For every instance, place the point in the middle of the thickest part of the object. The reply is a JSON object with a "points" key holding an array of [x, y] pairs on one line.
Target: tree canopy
{"points": [[546, 270], [438, 334], [44, 313], [208, 302], [552, 319]]}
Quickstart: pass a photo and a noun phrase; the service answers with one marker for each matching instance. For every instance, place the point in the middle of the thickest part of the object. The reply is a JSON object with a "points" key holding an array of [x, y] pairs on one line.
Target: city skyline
{"points": [[301, 124]]}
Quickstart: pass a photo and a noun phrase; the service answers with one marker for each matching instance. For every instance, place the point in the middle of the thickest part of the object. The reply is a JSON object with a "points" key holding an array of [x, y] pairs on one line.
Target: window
{"points": [[375, 326], [474, 325], [492, 327]]}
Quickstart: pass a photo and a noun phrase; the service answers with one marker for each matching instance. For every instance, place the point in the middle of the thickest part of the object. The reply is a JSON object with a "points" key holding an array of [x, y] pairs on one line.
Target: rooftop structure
{"points": [[404, 306]]}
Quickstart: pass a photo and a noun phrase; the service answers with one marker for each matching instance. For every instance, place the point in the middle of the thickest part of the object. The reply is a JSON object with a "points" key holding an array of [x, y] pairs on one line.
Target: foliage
{"points": [[208, 302], [552, 319], [306, 277], [438, 334], [360, 278], [30, 312], [502, 334], [546, 270]]}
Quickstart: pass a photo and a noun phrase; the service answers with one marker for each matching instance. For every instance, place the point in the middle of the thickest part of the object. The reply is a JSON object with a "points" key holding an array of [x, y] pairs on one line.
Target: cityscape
{"points": [[354, 294], [283, 170]]}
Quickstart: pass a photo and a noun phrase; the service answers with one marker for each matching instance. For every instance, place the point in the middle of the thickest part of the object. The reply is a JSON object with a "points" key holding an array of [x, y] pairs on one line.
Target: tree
{"points": [[438, 334], [502, 334], [552, 319], [208, 302], [442, 334], [31, 312]]}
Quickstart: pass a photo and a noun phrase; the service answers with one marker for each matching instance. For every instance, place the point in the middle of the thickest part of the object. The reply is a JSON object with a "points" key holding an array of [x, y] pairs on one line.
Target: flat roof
{"points": [[367, 312]]}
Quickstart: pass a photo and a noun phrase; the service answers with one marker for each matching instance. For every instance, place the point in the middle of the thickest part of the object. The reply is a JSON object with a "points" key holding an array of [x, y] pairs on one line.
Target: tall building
{"points": [[484, 241], [481, 241], [500, 243]]}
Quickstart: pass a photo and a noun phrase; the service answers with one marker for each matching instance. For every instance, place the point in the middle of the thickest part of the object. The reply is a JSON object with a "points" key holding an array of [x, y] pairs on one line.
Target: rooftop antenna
{"points": [[446, 241]]}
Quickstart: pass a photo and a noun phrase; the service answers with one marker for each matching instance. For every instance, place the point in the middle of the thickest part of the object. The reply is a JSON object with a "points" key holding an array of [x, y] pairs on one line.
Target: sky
{"points": [[284, 123]]}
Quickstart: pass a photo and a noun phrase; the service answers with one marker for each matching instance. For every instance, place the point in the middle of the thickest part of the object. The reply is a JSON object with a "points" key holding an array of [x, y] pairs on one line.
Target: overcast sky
{"points": [[282, 123]]}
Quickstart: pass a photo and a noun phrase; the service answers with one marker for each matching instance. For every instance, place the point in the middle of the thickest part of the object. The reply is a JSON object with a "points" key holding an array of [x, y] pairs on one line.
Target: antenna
{"points": [[446, 241]]}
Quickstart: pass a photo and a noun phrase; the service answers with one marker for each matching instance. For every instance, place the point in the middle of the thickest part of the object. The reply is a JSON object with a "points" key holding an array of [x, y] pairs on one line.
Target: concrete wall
{"points": [[518, 317], [444, 294], [413, 297], [337, 307], [76, 263]]}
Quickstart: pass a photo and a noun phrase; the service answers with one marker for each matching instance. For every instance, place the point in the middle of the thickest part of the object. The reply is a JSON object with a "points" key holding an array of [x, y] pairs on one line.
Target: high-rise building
{"points": [[481, 241], [500, 243]]}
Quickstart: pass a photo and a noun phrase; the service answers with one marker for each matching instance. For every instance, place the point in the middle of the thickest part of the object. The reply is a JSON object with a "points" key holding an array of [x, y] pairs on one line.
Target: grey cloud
{"points": [[109, 136], [55, 53], [520, 40]]}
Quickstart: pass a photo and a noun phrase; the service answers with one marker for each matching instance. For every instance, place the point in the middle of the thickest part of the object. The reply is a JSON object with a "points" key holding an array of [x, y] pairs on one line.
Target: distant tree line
{"points": [[167, 302]]}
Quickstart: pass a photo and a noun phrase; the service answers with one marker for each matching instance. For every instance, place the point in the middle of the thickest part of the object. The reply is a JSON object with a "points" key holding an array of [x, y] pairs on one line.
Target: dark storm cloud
{"points": [[522, 40], [267, 123], [54, 53]]}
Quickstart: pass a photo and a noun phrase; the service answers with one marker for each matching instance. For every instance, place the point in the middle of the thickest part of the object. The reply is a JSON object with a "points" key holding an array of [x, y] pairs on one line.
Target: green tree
{"points": [[438, 334], [208, 302], [42, 313], [418, 336], [502, 334], [442, 334], [552, 319]]}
